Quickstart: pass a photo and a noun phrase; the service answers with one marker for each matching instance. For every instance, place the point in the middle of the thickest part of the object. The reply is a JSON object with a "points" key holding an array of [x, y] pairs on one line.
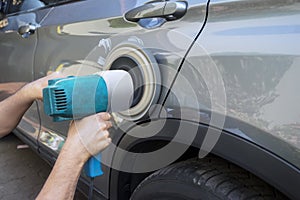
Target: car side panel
{"points": [[67, 40], [252, 47], [232, 147], [17, 57]]}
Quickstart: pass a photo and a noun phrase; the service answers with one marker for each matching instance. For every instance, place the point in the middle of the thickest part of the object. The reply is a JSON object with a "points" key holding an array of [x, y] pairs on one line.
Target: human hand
{"points": [[35, 88], [89, 136]]}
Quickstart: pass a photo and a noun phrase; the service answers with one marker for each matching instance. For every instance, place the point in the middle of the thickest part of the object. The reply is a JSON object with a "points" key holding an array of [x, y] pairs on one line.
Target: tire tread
{"points": [[224, 179]]}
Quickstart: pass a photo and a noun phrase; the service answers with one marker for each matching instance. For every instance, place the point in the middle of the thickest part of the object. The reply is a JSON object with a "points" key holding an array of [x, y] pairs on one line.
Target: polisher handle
{"points": [[92, 167]]}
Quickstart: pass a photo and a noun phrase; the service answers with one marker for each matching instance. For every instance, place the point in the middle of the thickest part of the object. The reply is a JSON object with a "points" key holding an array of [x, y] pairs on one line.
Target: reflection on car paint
{"points": [[51, 140], [29, 126], [3, 23], [106, 44]]}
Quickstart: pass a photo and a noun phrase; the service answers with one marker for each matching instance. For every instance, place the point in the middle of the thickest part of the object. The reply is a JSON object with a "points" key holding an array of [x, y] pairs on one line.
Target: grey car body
{"points": [[226, 72]]}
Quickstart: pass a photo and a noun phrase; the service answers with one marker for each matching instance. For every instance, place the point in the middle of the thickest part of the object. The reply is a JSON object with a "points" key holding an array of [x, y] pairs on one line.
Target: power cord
{"points": [[91, 189]]}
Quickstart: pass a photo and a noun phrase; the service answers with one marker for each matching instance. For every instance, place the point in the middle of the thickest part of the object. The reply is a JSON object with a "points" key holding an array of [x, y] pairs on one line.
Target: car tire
{"points": [[206, 179]]}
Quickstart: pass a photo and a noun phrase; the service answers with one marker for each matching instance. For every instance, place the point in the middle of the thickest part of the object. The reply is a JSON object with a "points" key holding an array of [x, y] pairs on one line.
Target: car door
{"points": [[252, 46], [84, 37], [260, 69], [17, 46]]}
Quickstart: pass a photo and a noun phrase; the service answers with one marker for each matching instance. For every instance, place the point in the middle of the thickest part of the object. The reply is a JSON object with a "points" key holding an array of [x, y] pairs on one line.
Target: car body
{"points": [[218, 77]]}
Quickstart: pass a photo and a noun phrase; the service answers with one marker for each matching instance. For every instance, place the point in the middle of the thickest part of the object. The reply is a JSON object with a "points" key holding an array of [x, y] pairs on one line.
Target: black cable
{"points": [[91, 189], [186, 54]]}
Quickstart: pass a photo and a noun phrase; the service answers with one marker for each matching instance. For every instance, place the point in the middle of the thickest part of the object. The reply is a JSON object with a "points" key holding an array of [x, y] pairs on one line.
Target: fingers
{"points": [[103, 116], [92, 131], [105, 125], [103, 134], [103, 141], [101, 145]]}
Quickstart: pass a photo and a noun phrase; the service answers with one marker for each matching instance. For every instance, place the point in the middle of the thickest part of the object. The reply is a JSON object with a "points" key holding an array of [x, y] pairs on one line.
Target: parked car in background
{"points": [[215, 113]]}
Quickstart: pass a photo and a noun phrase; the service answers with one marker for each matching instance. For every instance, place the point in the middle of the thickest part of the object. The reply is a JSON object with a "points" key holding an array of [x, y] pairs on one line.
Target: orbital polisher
{"points": [[75, 97]]}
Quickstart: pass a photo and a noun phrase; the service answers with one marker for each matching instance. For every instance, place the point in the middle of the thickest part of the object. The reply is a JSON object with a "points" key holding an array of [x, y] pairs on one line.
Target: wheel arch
{"points": [[234, 148]]}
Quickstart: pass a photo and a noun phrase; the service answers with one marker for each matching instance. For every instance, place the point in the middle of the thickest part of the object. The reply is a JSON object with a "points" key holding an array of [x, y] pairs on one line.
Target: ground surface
{"points": [[22, 172]]}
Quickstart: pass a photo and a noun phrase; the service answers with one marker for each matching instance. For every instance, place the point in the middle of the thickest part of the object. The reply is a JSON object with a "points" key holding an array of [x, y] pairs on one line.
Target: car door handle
{"points": [[26, 30], [165, 9]]}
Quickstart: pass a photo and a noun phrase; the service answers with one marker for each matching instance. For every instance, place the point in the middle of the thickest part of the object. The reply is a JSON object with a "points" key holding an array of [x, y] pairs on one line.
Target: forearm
{"points": [[13, 108], [63, 179], [86, 137]]}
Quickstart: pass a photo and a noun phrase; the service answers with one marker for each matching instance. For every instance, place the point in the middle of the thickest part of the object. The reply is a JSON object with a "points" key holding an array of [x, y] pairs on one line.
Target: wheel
{"points": [[210, 178]]}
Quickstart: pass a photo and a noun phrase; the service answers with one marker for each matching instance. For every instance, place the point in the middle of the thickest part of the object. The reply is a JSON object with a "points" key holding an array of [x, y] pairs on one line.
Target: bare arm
{"points": [[13, 108], [85, 138]]}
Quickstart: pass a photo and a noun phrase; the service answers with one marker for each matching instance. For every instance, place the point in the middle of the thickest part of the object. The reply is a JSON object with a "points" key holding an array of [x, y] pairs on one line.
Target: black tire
{"points": [[206, 179]]}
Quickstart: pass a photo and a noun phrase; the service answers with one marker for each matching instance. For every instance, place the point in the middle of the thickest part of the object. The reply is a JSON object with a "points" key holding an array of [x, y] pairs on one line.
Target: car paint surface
{"points": [[243, 66], [253, 48], [17, 62], [69, 43]]}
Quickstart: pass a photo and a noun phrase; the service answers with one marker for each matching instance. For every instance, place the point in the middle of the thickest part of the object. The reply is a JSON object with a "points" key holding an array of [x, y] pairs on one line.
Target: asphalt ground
{"points": [[22, 172]]}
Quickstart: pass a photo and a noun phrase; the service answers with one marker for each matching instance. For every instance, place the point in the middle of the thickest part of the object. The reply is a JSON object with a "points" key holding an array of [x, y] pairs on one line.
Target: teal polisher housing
{"points": [[75, 97]]}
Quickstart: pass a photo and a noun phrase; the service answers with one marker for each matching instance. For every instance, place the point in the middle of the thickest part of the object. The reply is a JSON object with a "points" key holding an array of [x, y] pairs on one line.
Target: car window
{"points": [[16, 6]]}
